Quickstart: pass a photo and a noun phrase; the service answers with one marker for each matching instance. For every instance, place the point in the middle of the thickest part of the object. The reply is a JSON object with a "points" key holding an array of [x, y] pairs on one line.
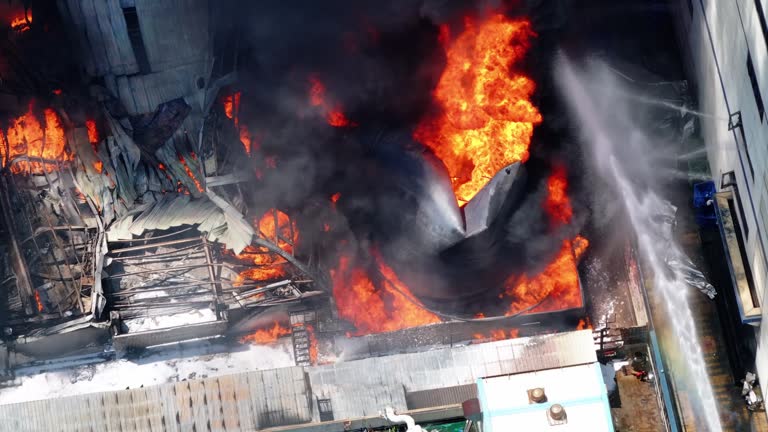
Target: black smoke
{"points": [[379, 62]]}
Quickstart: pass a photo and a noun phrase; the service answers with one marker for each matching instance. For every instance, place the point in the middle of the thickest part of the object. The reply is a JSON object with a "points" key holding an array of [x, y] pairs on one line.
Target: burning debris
{"points": [[216, 207]]}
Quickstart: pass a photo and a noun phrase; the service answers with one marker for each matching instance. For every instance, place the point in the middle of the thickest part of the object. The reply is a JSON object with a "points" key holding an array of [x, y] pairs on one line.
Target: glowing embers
{"points": [[32, 146], [267, 336], [486, 119], [333, 113], [190, 174], [265, 265], [376, 301], [21, 22]]}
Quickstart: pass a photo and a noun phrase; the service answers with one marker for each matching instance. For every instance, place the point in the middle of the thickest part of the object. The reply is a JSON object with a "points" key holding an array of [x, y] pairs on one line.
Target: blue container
{"points": [[703, 193]]}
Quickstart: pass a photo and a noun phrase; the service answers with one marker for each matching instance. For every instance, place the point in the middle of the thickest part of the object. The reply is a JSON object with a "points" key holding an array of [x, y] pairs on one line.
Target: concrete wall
{"points": [[718, 36]]}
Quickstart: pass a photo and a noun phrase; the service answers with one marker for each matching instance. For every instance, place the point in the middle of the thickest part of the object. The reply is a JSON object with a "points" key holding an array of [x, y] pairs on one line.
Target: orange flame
{"points": [[372, 309], [191, 175], [584, 324], [334, 115], [557, 286], [558, 206], [25, 138], [266, 336], [268, 265], [39, 301], [498, 334], [487, 118], [93, 133], [20, 23], [312, 344], [245, 138]]}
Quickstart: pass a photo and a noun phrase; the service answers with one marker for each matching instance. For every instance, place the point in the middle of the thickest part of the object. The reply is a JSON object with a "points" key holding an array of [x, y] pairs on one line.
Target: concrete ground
{"points": [[733, 413], [640, 410]]}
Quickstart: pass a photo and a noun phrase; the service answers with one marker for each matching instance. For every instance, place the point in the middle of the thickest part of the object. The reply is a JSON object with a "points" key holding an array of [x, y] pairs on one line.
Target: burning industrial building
{"points": [[297, 203]]}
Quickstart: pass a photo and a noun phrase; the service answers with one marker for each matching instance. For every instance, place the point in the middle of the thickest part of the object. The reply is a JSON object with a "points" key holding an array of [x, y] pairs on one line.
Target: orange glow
{"points": [[266, 336], [558, 206], [487, 117], [98, 166], [555, 288], [334, 115], [312, 344], [245, 138], [337, 119], [584, 324], [57, 92], [38, 301], [335, 197], [191, 175], [498, 334], [26, 136], [373, 309], [93, 133], [20, 23], [232, 105], [267, 265]]}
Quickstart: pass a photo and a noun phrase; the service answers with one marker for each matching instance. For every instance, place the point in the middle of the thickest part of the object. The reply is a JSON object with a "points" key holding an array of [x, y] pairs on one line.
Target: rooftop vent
{"points": [[556, 415], [537, 395]]}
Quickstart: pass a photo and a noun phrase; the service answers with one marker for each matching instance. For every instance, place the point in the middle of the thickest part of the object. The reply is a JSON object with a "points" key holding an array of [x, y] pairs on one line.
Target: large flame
{"points": [[487, 118], [557, 286], [375, 309], [267, 336], [43, 143], [277, 227]]}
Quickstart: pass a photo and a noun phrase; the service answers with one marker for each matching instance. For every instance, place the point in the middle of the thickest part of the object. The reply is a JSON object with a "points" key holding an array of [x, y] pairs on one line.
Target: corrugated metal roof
{"points": [[261, 399], [440, 396], [247, 401]]}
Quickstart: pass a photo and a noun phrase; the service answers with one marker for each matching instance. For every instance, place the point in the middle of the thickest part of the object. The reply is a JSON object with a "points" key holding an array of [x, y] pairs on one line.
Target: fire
{"points": [[191, 175], [312, 344], [38, 301], [335, 197], [376, 309], [557, 287], [278, 228], [93, 133], [245, 138], [498, 334], [584, 324], [334, 115], [27, 136], [558, 205], [487, 117], [231, 105], [21, 23], [266, 336]]}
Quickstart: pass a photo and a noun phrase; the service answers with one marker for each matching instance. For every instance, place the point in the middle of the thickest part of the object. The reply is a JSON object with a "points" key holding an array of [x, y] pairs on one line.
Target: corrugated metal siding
{"points": [[261, 399], [440, 396], [356, 391], [99, 28], [247, 401]]}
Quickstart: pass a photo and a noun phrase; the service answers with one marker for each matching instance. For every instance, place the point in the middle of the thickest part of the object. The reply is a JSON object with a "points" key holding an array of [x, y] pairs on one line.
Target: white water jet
{"points": [[622, 154]]}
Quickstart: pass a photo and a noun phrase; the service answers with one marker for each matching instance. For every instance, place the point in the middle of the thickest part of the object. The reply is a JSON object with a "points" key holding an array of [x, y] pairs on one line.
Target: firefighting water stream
{"points": [[620, 149]]}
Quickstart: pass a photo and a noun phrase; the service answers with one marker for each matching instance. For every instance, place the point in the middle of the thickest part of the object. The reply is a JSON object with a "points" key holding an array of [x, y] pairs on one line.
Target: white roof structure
{"points": [[580, 390]]}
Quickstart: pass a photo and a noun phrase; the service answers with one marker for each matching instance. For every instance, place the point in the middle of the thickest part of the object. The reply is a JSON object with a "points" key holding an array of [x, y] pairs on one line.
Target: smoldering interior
{"points": [[325, 172]]}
